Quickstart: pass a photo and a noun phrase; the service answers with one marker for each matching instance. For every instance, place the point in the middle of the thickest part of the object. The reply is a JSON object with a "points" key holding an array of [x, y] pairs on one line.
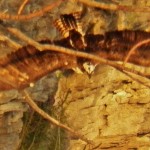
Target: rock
{"points": [[101, 108]]}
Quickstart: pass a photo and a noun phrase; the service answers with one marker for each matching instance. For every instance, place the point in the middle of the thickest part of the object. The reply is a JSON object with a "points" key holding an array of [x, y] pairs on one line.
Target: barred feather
{"points": [[68, 22]]}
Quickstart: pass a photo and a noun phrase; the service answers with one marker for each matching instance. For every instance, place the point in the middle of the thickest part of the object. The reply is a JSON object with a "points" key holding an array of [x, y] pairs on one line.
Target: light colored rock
{"points": [[104, 107]]}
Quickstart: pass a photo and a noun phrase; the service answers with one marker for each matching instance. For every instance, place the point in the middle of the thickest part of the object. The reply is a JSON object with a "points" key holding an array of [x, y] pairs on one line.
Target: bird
{"points": [[70, 27]]}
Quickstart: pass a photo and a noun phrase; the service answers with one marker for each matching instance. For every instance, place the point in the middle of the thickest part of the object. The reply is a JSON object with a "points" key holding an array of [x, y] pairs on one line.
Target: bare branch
{"points": [[139, 80], [22, 6], [93, 3], [10, 42], [133, 49], [34, 106], [25, 38], [31, 15], [43, 47], [55, 4]]}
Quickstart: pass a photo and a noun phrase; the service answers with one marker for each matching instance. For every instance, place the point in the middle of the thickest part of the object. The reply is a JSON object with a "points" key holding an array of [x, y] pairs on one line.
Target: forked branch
{"points": [[90, 3]]}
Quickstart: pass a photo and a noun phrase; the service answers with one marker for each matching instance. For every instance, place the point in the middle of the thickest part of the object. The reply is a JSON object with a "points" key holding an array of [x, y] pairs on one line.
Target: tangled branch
{"points": [[31, 15], [71, 52], [65, 51]]}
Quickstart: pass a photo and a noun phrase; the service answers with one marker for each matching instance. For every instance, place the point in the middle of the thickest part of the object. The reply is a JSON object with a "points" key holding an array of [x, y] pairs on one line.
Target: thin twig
{"points": [[10, 42], [32, 104], [86, 2], [22, 6], [43, 47], [145, 83], [25, 38], [133, 49], [93, 3], [31, 15]]}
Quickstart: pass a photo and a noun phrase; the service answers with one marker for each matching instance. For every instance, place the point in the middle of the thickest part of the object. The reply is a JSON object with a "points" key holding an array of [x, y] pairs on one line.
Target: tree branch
{"points": [[22, 6], [43, 47], [134, 48], [34, 106], [101, 5]]}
